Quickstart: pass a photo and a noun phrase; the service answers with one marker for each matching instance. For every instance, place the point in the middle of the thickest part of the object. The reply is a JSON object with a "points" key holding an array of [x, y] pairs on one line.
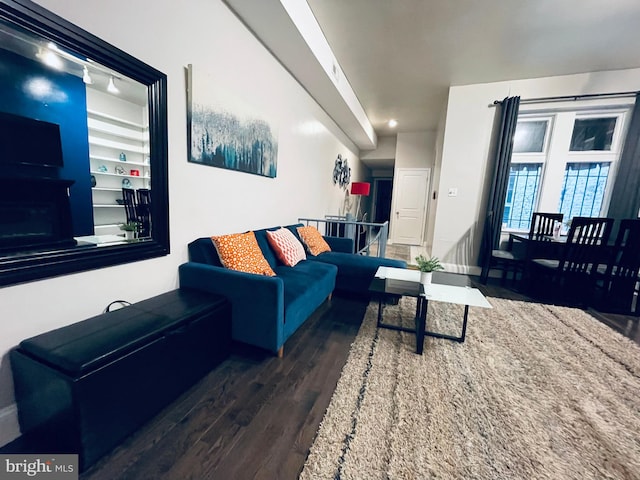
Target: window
{"points": [[527, 160], [592, 134], [563, 161], [521, 195], [583, 189]]}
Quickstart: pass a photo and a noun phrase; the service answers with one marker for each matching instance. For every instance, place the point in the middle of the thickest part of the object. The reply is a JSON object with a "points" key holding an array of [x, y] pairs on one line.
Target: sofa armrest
{"points": [[257, 302], [340, 244]]}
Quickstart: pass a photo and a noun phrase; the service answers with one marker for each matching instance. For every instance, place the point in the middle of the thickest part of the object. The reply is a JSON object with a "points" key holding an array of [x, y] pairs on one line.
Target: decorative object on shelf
{"points": [[225, 132], [119, 170], [120, 201], [427, 266], [361, 189], [134, 173], [129, 230], [147, 160], [341, 172], [126, 183], [103, 168], [93, 181], [123, 157]]}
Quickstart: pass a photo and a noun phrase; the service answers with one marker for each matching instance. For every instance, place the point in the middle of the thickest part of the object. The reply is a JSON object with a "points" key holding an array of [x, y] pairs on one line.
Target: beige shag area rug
{"points": [[535, 392]]}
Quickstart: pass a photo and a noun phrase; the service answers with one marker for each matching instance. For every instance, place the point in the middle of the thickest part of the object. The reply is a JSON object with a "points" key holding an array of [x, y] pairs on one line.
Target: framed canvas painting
{"points": [[225, 132]]}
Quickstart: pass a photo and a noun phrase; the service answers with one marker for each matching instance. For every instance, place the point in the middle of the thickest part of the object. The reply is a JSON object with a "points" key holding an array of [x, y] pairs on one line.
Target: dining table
{"points": [[530, 246]]}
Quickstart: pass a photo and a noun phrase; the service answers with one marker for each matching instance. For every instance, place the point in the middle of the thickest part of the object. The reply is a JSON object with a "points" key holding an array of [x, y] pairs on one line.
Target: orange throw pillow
{"points": [[312, 238], [240, 251], [287, 247]]}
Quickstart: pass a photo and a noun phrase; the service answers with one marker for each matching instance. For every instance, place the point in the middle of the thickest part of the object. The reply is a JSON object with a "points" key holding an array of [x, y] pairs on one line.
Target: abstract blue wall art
{"points": [[223, 132]]}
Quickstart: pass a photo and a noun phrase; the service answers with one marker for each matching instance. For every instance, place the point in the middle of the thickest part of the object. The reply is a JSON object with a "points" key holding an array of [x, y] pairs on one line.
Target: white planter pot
{"points": [[425, 278], [129, 234]]}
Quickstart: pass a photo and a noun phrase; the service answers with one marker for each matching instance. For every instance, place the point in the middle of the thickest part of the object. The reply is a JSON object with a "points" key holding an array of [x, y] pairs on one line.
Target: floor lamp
{"points": [[360, 189]]}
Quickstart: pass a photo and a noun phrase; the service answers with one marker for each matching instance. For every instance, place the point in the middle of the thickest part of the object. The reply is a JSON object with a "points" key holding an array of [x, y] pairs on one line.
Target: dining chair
{"points": [[570, 275], [143, 210], [616, 283], [543, 223], [129, 202], [514, 259]]}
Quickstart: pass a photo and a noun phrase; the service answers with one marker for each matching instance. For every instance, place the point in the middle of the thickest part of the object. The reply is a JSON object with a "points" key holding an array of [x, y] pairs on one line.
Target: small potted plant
{"points": [[129, 230], [427, 266]]}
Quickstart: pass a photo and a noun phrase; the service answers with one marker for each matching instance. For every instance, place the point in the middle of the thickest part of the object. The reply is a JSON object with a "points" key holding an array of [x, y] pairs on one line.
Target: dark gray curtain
{"points": [[502, 161], [625, 197]]}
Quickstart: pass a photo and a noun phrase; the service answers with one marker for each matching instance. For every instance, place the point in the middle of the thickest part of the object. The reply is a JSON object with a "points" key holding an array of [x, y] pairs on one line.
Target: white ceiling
{"points": [[401, 56]]}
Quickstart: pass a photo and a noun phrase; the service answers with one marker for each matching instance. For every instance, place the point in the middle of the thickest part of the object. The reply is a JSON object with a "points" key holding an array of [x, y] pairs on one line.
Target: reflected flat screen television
{"points": [[24, 140]]}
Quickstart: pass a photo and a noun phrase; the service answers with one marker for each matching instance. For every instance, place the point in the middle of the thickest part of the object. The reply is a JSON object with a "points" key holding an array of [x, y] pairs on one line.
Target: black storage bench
{"points": [[85, 387]]}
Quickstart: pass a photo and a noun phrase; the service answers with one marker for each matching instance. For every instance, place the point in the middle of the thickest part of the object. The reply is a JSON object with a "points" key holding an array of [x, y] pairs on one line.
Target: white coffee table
{"points": [[406, 282]]}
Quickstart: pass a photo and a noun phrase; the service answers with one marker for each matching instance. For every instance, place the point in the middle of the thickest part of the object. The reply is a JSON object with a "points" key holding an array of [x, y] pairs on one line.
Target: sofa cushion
{"points": [[313, 240], [240, 251], [306, 286], [203, 250], [355, 272], [288, 248]]}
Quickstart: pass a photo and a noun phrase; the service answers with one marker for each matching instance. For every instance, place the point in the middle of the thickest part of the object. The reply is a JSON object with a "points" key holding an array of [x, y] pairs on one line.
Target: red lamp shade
{"points": [[360, 188]]}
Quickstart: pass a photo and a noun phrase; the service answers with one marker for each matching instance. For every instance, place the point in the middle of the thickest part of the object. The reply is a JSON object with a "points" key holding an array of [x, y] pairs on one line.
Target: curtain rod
{"points": [[588, 96]]}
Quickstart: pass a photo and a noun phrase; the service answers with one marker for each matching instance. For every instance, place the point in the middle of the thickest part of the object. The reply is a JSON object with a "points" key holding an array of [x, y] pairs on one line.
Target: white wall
{"points": [[386, 149], [415, 150], [203, 200], [466, 151]]}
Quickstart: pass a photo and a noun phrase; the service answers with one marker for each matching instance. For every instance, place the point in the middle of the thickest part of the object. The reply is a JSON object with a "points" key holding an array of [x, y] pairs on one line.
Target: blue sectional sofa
{"points": [[266, 311]]}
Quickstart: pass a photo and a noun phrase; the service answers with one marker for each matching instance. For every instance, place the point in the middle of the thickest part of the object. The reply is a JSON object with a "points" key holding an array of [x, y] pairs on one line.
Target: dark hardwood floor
{"points": [[253, 417], [627, 325]]}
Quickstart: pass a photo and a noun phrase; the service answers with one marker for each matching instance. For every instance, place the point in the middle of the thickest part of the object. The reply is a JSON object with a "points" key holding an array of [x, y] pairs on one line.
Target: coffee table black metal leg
{"points": [[421, 323], [464, 323], [380, 311], [459, 339]]}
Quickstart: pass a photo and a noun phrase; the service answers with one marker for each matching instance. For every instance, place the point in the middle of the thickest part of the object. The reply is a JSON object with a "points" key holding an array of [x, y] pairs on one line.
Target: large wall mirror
{"points": [[83, 150]]}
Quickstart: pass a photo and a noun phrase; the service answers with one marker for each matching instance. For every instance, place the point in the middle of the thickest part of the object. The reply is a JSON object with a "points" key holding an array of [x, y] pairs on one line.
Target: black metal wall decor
{"points": [[341, 172]]}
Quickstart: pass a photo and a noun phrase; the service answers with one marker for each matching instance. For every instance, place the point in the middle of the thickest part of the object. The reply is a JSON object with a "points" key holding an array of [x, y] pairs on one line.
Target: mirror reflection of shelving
{"points": [[118, 154]]}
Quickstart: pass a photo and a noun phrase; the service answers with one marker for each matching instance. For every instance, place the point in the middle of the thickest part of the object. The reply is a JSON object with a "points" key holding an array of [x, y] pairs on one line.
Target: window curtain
{"points": [[495, 206], [625, 197]]}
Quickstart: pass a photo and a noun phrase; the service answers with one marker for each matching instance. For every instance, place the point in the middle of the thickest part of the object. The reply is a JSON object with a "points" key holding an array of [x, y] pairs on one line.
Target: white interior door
{"points": [[410, 190]]}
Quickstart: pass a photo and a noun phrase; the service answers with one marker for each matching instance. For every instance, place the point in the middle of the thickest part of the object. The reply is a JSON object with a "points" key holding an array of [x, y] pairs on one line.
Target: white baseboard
{"points": [[464, 269], [9, 426]]}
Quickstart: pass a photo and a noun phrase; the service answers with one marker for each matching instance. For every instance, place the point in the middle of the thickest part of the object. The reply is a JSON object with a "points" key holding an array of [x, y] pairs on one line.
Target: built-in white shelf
{"points": [[100, 158], [113, 130], [123, 147]]}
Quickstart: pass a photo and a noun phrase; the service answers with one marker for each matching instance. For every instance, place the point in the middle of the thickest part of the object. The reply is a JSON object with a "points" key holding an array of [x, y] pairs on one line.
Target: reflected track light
{"points": [[112, 86], [86, 78]]}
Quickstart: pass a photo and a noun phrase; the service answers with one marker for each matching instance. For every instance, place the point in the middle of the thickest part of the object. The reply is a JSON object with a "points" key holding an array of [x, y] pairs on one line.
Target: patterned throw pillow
{"points": [[240, 251], [312, 238], [287, 247]]}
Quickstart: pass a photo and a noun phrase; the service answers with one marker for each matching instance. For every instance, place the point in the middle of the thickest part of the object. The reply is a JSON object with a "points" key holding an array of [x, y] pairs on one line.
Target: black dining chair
{"points": [[129, 202], [143, 210], [616, 283], [514, 258], [570, 275], [543, 224]]}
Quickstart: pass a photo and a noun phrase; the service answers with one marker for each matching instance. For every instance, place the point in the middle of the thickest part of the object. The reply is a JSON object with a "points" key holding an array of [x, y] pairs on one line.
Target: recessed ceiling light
{"points": [[393, 123]]}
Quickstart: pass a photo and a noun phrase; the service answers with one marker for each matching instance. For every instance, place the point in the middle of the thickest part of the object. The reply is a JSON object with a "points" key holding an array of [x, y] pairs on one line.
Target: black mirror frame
{"points": [[36, 265]]}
